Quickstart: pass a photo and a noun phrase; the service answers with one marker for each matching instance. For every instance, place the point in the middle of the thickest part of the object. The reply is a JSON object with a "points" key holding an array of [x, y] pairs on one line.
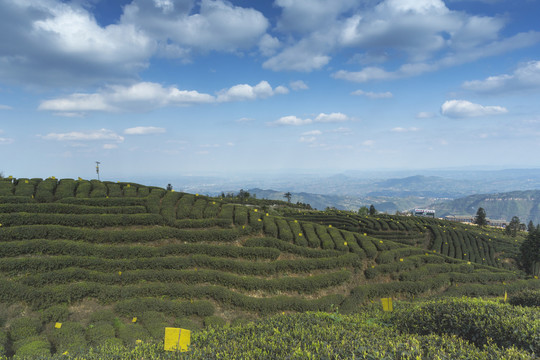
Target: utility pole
{"points": [[97, 169]]}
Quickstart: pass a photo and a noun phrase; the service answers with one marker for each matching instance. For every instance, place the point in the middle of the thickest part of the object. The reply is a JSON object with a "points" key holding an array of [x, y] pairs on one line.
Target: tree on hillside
{"points": [[363, 211], [480, 218], [288, 196], [514, 226], [372, 210], [530, 227], [243, 195], [530, 253], [169, 187]]}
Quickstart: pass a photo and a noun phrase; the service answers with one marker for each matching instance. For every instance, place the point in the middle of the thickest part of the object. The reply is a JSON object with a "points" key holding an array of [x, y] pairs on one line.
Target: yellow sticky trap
{"points": [[505, 296], [381, 241], [329, 225], [295, 221], [134, 320], [266, 214], [128, 185], [401, 259], [536, 276], [213, 203], [119, 273], [255, 210], [177, 339], [345, 243], [387, 304], [299, 234], [468, 263], [79, 178], [172, 190], [243, 226], [138, 341], [10, 177], [365, 234], [65, 352], [26, 181], [259, 220], [196, 194], [58, 325]]}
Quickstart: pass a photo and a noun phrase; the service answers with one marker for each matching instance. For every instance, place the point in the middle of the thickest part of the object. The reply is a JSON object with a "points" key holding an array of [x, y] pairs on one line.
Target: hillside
{"points": [[117, 262], [523, 204]]}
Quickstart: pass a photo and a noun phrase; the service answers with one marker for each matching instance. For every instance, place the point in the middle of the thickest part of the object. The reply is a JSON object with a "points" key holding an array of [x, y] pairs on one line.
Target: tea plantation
{"points": [[107, 266]]}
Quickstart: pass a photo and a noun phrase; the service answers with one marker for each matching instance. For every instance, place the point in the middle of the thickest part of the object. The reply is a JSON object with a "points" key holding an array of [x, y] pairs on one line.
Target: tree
{"points": [[372, 210], [530, 227], [363, 211], [169, 187], [530, 253], [514, 226], [480, 218], [288, 196], [243, 195]]}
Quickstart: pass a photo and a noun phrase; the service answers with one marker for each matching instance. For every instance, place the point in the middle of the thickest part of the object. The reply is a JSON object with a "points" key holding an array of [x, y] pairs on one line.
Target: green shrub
{"points": [[99, 332], [154, 323], [197, 210], [184, 206], [114, 190], [56, 313], [526, 298], [3, 342], [38, 347], [214, 321], [6, 187], [187, 323], [24, 327], [45, 190], [83, 189], [476, 320], [104, 316], [65, 188], [99, 189], [70, 337], [25, 187], [130, 333], [240, 215]]}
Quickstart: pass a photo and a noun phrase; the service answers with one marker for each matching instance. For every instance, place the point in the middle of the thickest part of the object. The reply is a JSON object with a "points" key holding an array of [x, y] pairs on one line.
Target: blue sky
{"points": [[172, 88]]}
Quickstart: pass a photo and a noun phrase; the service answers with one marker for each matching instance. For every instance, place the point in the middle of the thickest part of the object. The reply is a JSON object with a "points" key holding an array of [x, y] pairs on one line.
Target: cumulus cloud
{"points": [[298, 85], [464, 108], [292, 120], [268, 45], [526, 76], [247, 92], [217, 25], [321, 118], [333, 117], [404, 130], [145, 96], [94, 135], [312, 133], [373, 95], [144, 130], [54, 42]]}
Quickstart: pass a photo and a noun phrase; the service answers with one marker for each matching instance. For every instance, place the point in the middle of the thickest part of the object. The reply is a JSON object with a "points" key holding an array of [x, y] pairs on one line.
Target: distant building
{"points": [[469, 219], [424, 212]]}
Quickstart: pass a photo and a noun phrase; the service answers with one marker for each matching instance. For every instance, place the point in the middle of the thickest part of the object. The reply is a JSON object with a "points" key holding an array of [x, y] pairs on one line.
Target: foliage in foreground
{"points": [[371, 334]]}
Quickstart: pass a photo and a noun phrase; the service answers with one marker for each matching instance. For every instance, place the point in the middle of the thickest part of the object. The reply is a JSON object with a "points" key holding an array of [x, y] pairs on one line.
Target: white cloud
{"points": [[218, 25], [268, 45], [464, 108], [247, 92], [145, 96], [373, 95], [5, 107], [312, 133], [96, 135], [526, 76], [368, 143], [303, 56], [321, 118], [245, 120], [144, 130], [404, 130], [54, 42], [333, 117], [292, 120], [309, 139], [425, 115], [110, 146], [298, 85], [6, 141]]}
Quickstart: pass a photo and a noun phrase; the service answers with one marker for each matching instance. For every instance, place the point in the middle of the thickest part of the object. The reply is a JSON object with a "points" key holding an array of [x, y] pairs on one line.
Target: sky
{"points": [[216, 87]]}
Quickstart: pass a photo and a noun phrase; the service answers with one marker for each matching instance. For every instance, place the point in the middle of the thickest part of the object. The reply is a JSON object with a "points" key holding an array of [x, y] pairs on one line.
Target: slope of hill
{"points": [[117, 262], [523, 204]]}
